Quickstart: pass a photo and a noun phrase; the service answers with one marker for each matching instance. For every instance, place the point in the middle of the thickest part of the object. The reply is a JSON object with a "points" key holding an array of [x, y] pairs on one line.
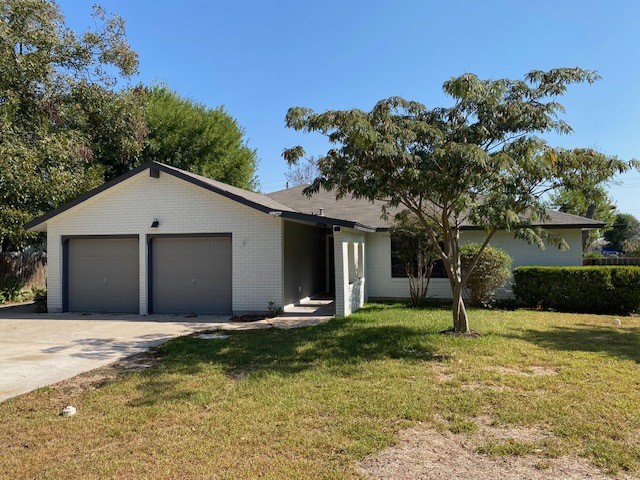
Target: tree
{"points": [[416, 253], [479, 161], [590, 200], [625, 229], [62, 124], [190, 136], [302, 173]]}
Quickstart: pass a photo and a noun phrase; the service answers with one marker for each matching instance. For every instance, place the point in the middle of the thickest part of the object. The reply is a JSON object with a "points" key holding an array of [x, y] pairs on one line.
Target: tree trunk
{"points": [[591, 212], [460, 319]]}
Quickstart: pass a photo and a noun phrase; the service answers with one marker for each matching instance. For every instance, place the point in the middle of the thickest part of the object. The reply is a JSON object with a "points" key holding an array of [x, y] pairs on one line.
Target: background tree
{"points": [[479, 161], [597, 205], [589, 200], [188, 135], [303, 172], [625, 229], [415, 251], [62, 123]]}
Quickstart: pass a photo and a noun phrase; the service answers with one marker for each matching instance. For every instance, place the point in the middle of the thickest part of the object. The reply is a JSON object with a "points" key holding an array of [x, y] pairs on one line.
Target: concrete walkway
{"points": [[40, 349]]}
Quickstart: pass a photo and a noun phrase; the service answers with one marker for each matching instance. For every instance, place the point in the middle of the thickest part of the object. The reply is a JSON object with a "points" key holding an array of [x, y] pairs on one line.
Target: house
{"points": [[162, 240]]}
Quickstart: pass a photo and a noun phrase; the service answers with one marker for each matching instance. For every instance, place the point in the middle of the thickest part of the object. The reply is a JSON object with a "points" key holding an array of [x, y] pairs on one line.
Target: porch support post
{"points": [[341, 256]]}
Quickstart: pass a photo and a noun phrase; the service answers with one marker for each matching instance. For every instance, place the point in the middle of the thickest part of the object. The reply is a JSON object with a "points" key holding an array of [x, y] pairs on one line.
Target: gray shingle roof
{"points": [[290, 203], [369, 213]]}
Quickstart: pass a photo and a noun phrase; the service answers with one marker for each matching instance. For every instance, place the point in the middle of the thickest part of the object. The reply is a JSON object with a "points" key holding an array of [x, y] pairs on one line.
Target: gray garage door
{"points": [[103, 275], [191, 275]]}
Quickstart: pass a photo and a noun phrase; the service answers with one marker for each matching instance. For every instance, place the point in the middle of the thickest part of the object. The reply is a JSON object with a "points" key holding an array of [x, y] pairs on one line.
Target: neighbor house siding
{"points": [[382, 285], [181, 208]]}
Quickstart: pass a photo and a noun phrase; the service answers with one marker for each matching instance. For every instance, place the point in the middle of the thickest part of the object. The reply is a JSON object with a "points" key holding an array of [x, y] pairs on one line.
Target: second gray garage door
{"points": [[191, 275]]}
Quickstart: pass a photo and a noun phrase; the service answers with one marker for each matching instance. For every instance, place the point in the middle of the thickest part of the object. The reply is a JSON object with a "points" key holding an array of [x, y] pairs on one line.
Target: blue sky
{"points": [[259, 58]]}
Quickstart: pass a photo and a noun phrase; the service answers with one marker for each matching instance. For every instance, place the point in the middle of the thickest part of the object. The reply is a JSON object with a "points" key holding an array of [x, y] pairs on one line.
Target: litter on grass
{"points": [[212, 336]]}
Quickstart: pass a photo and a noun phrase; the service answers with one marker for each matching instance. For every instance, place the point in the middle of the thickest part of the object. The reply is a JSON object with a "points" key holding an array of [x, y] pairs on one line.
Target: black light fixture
{"points": [[155, 223]]}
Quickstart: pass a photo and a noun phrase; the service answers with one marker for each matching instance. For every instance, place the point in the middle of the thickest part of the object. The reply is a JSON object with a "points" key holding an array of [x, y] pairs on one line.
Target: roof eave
{"points": [[321, 219]]}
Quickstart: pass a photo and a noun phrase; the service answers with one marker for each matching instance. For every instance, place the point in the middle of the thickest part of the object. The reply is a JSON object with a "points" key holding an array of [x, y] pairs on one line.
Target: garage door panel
{"points": [[103, 275], [192, 275]]}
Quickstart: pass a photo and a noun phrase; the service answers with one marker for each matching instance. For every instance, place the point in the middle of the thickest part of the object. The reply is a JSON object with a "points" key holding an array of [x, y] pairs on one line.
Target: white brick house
{"points": [[162, 240]]}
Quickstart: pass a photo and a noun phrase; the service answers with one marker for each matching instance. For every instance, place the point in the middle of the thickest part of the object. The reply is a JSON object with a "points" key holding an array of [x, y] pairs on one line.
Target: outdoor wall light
{"points": [[155, 223]]}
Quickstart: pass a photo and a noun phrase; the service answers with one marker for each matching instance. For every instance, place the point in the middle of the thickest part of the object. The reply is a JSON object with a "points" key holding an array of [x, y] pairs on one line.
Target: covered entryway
{"points": [[191, 274], [307, 269], [102, 274]]}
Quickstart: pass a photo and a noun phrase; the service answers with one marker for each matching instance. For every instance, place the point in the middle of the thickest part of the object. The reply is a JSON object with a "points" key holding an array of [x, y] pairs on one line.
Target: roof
{"points": [[292, 204], [254, 200], [369, 213]]}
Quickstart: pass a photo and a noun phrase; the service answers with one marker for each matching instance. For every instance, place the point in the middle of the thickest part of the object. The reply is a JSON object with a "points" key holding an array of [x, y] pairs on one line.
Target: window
{"points": [[398, 269]]}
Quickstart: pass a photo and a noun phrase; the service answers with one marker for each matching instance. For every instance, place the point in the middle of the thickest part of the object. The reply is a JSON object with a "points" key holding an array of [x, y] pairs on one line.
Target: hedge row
{"points": [[603, 289]]}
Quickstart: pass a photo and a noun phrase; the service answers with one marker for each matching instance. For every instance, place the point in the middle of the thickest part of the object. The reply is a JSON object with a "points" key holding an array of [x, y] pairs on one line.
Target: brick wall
{"points": [[180, 207]]}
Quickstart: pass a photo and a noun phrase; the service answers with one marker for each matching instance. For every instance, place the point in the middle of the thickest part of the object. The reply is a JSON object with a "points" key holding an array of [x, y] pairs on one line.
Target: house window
{"points": [[398, 269]]}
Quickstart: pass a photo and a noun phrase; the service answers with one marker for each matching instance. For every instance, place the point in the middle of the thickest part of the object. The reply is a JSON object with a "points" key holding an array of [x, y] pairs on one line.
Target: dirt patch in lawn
{"points": [[528, 371], [428, 453], [94, 379], [442, 373]]}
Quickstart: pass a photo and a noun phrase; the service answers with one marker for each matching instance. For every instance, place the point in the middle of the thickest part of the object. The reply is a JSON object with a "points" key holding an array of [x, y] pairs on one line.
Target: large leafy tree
{"points": [[188, 135], [479, 160], [592, 203], [62, 123], [625, 229]]}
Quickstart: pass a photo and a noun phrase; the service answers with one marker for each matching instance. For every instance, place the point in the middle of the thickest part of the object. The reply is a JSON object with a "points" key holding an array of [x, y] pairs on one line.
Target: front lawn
{"points": [[312, 402]]}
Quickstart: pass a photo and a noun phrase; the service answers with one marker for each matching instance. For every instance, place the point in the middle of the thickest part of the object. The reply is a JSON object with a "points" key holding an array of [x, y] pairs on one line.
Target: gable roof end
{"points": [[251, 199]]}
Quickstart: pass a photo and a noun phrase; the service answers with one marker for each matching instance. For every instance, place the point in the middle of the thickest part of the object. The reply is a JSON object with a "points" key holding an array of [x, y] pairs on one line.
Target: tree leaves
{"points": [[190, 136], [60, 119], [478, 161]]}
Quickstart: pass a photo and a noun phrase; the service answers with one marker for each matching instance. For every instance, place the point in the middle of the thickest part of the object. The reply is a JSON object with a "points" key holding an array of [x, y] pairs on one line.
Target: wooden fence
{"points": [[29, 268], [611, 261]]}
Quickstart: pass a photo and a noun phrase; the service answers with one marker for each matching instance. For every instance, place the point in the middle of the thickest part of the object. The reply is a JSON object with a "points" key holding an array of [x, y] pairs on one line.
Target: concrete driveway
{"points": [[41, 349]]}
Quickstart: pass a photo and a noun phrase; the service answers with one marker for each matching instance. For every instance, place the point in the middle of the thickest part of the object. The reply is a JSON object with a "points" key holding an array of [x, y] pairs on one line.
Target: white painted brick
{"points": [[349, 296], [180, 207]]}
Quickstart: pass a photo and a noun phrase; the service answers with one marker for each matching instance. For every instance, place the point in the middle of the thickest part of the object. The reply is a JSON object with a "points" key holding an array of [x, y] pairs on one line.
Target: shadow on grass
{"points": [[621, 343], [341, 344]]}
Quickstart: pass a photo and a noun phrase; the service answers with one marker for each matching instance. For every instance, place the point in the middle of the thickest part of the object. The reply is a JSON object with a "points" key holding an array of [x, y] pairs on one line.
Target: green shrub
{"points": [[491, 272], [602, 289], [12, 290], [40, 299], [593, 255]]}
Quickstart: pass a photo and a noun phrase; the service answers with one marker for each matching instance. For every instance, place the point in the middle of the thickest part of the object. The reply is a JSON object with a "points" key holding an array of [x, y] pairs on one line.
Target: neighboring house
{"points": [[162, 240]]}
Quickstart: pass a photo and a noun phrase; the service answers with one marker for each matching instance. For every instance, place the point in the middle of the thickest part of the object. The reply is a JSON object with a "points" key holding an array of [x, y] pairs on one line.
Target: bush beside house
{"points": [[491, 272], [614, 290]]}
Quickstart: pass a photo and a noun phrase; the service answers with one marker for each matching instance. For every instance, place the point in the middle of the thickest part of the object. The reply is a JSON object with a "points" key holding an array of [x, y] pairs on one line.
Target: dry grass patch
{"points": [[432, 454]]}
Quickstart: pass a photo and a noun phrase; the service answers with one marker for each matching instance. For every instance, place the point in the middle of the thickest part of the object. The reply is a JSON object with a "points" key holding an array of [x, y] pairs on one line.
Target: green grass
{"points": [[309, 403]]}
